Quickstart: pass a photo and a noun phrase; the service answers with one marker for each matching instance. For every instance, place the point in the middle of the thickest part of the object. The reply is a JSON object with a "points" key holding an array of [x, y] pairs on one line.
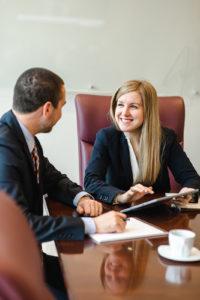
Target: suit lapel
{"points": [[125, 160]]}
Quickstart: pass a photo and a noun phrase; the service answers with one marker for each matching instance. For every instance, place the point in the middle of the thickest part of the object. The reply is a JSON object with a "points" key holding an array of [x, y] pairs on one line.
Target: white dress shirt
{"points": [[133, 159]]}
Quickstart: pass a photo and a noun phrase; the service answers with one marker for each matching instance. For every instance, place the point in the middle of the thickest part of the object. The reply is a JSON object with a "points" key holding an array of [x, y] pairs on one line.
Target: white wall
{"points": [[95, 45]]}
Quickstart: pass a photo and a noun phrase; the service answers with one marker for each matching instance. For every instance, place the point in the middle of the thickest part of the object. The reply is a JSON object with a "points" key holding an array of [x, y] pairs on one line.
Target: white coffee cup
{"points": [[181, 242]]}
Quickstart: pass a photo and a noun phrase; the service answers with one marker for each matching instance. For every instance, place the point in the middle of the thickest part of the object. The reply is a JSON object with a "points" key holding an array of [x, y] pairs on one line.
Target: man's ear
{"points": [[47, 109]]}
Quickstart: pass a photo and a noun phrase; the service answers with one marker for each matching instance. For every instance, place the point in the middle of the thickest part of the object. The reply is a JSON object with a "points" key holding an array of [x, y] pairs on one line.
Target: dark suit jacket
{"points": [[109, 170], [17, 178]]}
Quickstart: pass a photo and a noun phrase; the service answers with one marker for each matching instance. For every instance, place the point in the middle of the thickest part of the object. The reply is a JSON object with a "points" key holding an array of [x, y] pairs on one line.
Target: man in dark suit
{"points": [[27, 175]]}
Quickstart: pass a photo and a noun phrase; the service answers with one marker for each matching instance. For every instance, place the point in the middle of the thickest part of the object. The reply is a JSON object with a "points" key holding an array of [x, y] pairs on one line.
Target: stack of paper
{"points": [[134, 229]]}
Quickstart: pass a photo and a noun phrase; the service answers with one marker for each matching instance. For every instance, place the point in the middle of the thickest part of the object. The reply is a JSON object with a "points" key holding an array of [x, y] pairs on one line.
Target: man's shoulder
{"points": [[7, 117], [5, 130], [6, 133], [8, 137]]}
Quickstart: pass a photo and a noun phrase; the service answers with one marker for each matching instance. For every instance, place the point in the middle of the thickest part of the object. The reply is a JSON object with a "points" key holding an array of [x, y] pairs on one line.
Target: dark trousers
{"points": [[54, 277]]}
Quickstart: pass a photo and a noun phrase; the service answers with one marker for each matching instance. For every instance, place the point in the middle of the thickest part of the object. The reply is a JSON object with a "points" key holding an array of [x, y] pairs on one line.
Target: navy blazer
{"points": [[109, 170], [18, 179]]}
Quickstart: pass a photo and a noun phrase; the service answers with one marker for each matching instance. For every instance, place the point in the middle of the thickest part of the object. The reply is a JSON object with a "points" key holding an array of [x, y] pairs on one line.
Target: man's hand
{"points": [[134, 193], [111, 221], [89, 207]]}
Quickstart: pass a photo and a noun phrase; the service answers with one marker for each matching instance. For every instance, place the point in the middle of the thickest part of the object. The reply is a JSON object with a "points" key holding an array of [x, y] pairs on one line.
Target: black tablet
{"points": [[154, 202]]}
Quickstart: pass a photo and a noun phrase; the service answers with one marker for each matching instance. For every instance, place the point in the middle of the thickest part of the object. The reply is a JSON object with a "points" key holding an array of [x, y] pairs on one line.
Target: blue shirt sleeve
{"points": [[89, 223], [79, 196]]}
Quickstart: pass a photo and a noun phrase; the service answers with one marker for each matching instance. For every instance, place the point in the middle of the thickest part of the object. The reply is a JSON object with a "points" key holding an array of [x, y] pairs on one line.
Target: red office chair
{"points": [[21, 275], [92, 115]]}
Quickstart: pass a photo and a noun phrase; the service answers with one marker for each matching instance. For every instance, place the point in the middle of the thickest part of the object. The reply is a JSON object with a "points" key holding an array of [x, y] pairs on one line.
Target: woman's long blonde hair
{"points": [[150, 138]]}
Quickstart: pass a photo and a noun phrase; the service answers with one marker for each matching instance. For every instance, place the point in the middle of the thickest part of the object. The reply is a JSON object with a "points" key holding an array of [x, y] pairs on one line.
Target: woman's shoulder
{"points": [[109, 136], [168, 132], [110, 131], [168, 135]]}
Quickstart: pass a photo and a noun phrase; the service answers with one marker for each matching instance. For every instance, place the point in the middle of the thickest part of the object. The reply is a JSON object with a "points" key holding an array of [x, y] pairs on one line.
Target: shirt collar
{"points": [[28, 136]]}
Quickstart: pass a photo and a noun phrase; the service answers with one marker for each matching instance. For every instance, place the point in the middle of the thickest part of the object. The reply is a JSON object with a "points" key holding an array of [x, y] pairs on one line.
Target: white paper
{"points": [[134, 229], [48, 247]]}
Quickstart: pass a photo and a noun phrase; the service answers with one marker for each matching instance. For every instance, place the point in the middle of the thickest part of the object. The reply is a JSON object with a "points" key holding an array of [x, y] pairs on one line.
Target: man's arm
{"points": [[57, 185], [18, 181], [46, 228], [60, 187]]}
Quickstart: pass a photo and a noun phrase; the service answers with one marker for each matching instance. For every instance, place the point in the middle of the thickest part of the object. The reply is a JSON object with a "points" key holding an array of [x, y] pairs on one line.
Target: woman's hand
{"points": [[184, 199], [133, 194], [186, 190]]}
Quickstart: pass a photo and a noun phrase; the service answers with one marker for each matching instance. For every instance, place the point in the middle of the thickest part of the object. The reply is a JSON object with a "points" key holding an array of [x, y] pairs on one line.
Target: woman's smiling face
{"points": [[129, 112]]}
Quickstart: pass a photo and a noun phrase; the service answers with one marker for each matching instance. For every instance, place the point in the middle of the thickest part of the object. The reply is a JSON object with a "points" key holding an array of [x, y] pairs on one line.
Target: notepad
{"points": [[135, 228]]}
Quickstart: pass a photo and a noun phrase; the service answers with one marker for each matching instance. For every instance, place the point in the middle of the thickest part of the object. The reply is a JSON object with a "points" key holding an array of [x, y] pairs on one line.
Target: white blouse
{"points": [[133, 159]]}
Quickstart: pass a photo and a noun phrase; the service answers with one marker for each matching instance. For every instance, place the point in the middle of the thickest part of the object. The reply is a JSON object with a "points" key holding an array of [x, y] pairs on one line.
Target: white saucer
{"points": [[164, 250]]}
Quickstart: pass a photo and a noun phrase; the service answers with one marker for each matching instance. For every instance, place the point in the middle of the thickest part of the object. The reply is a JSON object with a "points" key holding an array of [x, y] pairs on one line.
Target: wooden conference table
{"points": [[131, 269]]}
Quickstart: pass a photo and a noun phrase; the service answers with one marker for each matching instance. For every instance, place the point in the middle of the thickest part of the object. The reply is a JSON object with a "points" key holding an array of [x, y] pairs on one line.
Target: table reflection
{"points": [[123, 266], [178, 274]]}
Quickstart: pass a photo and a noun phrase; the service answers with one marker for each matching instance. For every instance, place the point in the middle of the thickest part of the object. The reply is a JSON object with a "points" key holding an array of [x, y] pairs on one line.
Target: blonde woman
{"points": [[131, 158]]}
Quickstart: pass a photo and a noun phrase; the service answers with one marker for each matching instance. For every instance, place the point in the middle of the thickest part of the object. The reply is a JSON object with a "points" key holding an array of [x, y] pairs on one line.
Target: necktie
{"points": [[36, 162]]}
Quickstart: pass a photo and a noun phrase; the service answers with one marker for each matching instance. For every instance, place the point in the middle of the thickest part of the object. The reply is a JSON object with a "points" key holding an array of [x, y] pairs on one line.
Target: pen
{"points": [[126, 219]]}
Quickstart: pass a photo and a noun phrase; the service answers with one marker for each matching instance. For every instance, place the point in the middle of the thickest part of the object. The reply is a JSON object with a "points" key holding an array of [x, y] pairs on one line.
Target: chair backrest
{"points": [[92, 115], [21, 275]]}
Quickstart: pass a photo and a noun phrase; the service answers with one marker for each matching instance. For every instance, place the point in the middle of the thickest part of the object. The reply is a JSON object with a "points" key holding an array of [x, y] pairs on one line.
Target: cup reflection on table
{"points": [[123, 266], [177, 274]]}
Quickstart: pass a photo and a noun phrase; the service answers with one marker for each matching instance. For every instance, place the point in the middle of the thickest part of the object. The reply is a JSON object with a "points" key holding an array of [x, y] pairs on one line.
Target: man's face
{"points": [[54, 114]]}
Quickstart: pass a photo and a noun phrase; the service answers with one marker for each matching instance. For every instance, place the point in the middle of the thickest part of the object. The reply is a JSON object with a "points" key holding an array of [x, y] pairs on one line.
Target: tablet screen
{"points": [[156, 201]]}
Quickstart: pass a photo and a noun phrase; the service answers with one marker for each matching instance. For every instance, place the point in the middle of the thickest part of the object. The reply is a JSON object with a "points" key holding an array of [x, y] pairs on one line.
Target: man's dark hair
{"points": [[34, 87]]}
